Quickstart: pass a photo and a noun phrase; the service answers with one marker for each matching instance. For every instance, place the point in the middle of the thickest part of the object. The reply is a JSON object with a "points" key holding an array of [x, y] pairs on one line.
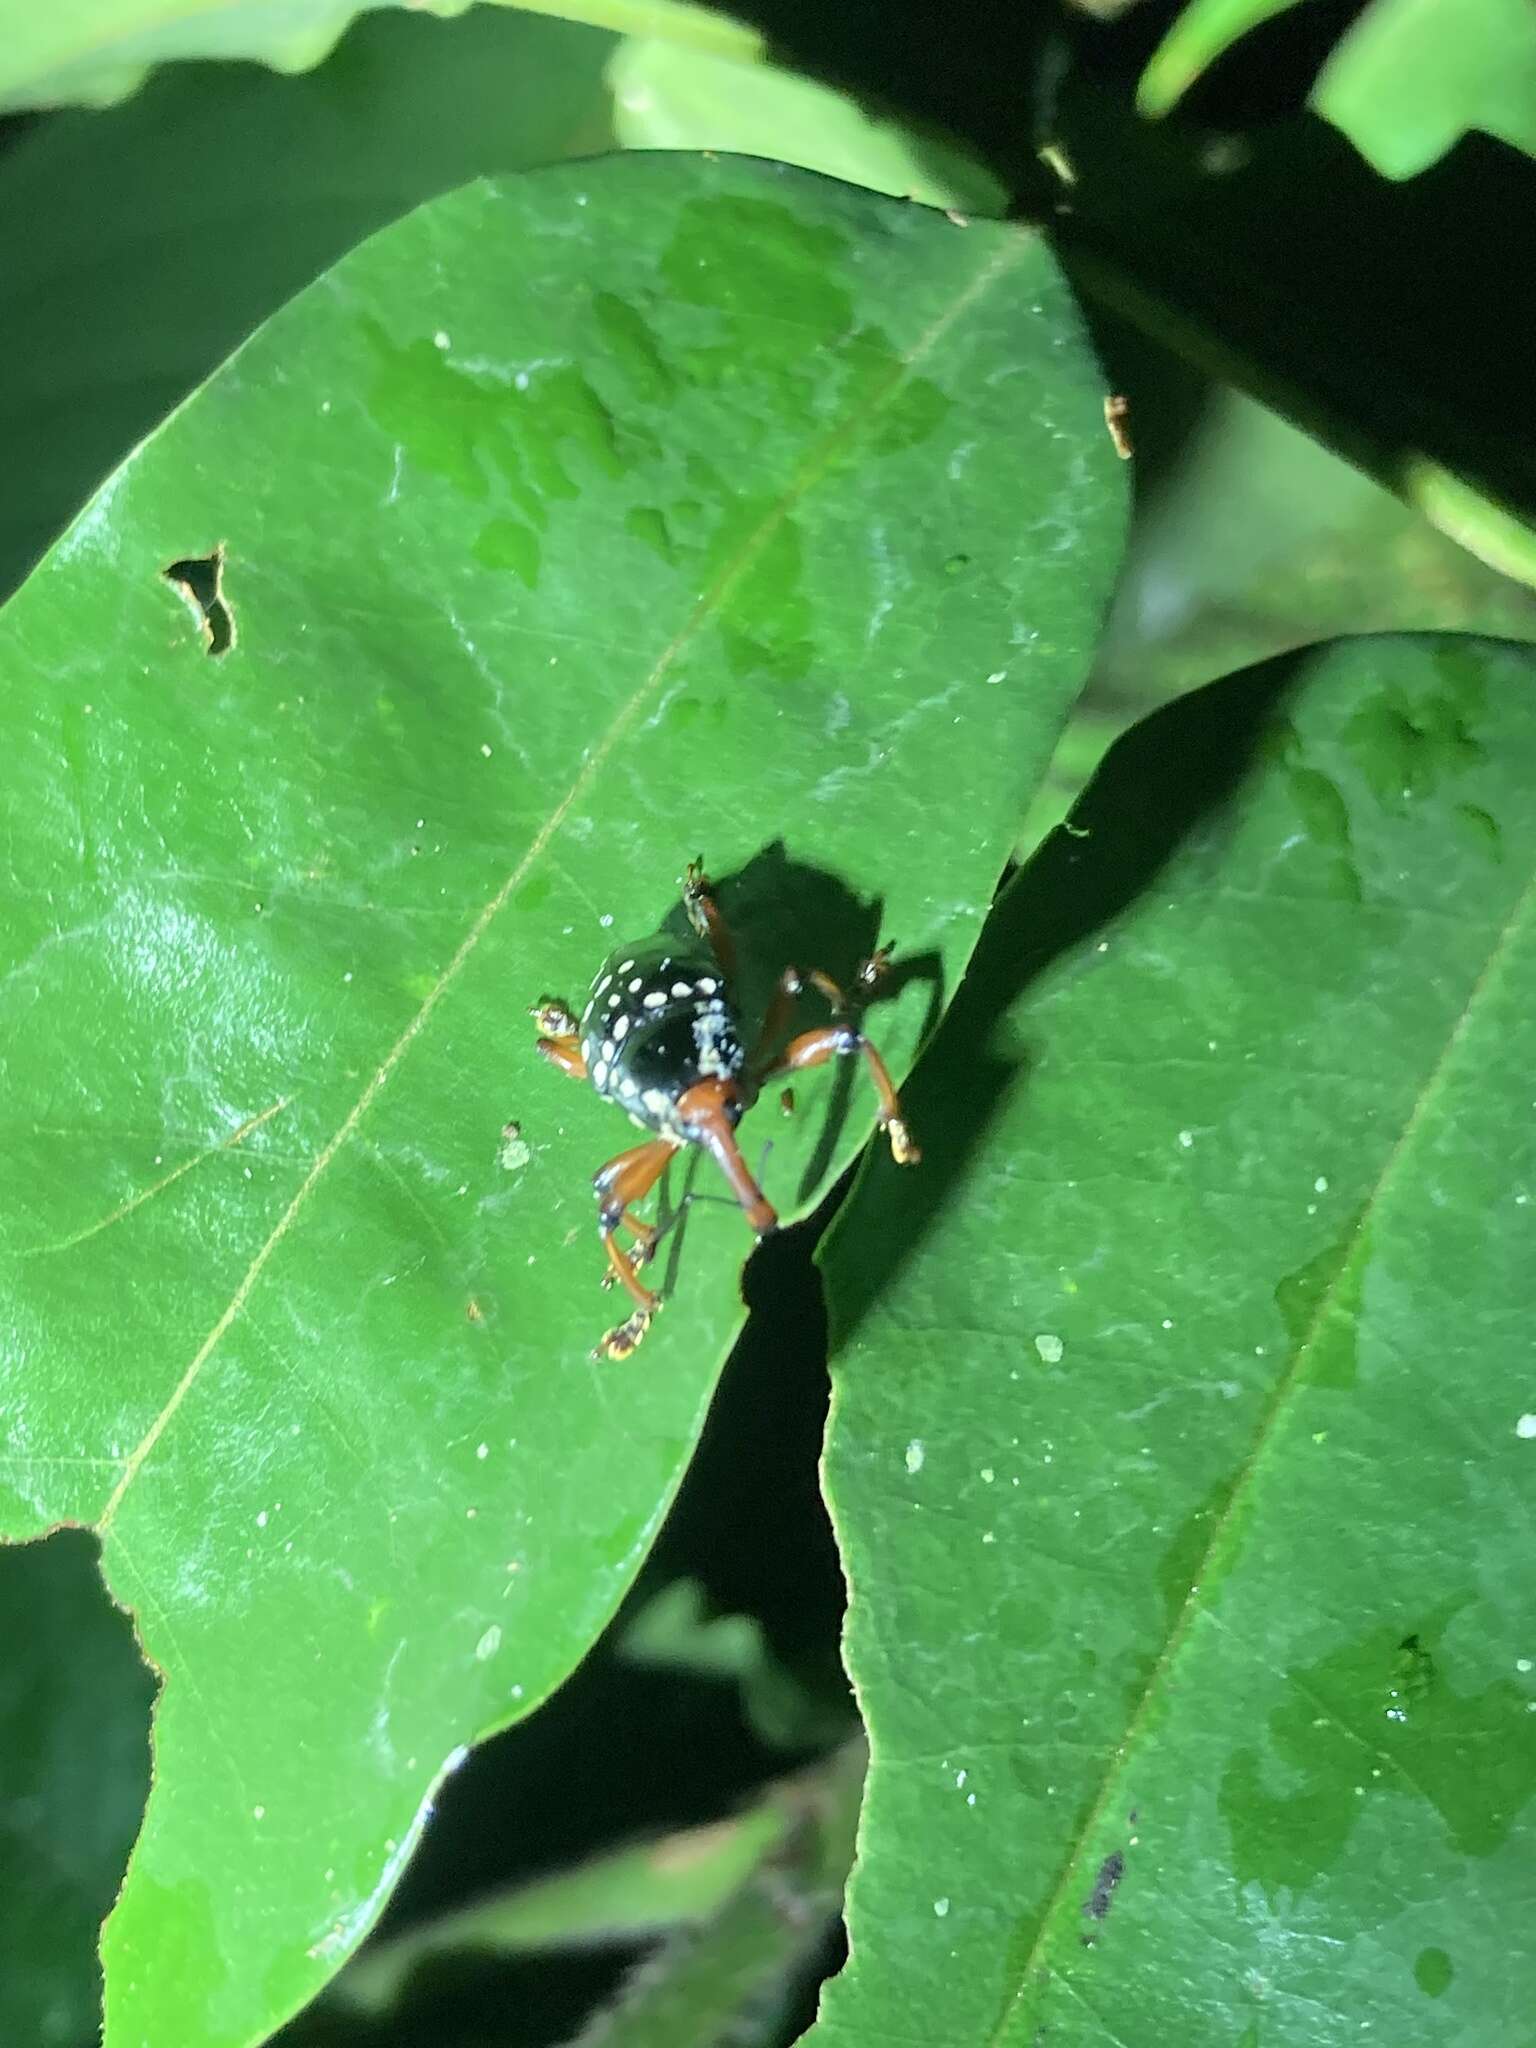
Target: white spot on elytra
{"points": [[1050, 1348], [680, 988], [634, 986], [707, 984], [600, 1074], [620, 1028], [624, 966], [655, 999]]}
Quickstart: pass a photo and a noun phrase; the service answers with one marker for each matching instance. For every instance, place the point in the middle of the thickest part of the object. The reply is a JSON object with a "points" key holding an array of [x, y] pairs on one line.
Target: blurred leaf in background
{"points": [[673, 1631], [93, 52], [669, 95], [1405, 82]]}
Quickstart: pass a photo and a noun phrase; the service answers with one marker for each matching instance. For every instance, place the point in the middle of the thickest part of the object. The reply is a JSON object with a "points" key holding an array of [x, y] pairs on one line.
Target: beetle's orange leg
{"points": [[704, 915], [841, 1041], [791, 986], [566, 1054], [627, 1179]]}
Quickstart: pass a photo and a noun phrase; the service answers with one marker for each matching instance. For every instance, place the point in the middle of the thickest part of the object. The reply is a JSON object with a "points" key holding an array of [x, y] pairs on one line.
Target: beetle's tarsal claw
{"points": [[696, 887], [903, 1149], [873, 970], [625, 1340]]}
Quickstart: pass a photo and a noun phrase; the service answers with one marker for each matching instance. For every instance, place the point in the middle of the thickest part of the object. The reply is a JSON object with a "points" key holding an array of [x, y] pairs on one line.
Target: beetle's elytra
{"points": [[661, 1037]]}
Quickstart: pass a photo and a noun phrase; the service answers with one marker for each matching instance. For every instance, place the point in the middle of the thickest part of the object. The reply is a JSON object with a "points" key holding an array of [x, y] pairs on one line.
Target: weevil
{"points": [[661, 1036]]}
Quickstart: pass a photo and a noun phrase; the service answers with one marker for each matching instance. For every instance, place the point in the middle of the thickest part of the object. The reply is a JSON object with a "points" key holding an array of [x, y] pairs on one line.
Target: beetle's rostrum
{"points": [[661, 1036]]}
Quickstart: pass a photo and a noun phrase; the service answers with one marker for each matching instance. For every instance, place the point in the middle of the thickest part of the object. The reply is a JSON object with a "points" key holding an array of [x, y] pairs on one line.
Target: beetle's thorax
{"points": [[660, 1021]]}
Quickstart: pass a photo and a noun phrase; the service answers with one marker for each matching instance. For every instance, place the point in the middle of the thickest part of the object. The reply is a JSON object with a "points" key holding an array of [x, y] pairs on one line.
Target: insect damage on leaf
{"points": [[198, 581]]}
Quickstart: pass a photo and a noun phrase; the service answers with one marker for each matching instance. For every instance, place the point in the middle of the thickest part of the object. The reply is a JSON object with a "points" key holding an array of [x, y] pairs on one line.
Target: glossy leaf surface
{"points": [[1183, 1432], [572, 525]]}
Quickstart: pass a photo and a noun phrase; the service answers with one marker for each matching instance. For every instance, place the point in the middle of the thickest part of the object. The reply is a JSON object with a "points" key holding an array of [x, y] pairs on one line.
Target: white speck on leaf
{"points": [[940, 1908], [1186, 1139], [482, 1450], [1320, 1185], [915, 1454], [988, 1475], [1526, 1426], [1050, 1348], [488, 1644]]}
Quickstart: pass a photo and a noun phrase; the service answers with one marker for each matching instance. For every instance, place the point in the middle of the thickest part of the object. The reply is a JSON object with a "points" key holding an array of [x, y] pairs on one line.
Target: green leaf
{"points": [[93, 52], [1405, 83], [570, 526], [1411, 77], [629, 1895], [179, 222], [1203, 31], [731, 1979], [672, 1631], [670, 95], [1181, 1421]]}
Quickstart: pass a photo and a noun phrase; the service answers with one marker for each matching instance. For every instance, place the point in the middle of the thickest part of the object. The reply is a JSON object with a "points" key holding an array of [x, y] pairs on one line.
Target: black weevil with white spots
{"points": [[660, 1036]]}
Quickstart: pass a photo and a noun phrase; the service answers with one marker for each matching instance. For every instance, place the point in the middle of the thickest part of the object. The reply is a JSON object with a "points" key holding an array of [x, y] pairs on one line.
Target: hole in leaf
{"points": [[198, 581]]}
